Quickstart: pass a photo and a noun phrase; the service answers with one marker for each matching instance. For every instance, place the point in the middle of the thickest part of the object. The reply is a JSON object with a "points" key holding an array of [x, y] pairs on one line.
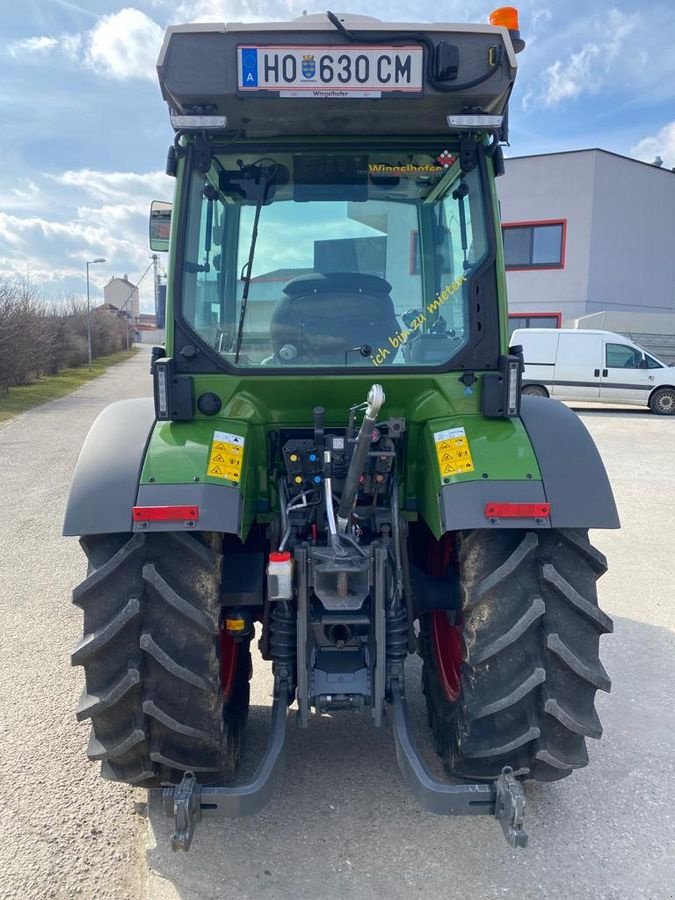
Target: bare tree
{"points": [[38, 338]]}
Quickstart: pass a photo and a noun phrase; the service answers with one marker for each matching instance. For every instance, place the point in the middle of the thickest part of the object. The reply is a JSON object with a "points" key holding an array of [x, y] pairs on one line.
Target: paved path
{"points": [[343, 825], [63, 831]]}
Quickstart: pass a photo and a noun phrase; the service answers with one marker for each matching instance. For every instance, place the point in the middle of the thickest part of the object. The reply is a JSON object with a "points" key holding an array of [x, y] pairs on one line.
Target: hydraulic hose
{"points": [[351, 485]]}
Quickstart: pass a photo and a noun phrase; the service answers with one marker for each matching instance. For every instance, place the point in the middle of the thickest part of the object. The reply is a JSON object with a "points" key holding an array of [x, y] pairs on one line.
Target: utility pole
{"points": [[155, 261], [131, 294], [89, 354]]}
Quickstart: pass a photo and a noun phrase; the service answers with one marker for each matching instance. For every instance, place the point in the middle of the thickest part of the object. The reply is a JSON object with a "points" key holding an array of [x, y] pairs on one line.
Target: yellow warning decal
{"points": [[226, 457], [453, 452]]}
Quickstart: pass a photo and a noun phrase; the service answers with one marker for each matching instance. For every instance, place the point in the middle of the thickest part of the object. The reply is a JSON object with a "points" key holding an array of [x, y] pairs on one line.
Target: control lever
{"points": [[374, 404], [319, 415]]}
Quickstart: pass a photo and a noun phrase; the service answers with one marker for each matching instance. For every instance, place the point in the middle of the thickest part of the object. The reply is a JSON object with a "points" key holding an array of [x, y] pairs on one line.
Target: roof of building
{"points": [[639, 162], [124, 279]]}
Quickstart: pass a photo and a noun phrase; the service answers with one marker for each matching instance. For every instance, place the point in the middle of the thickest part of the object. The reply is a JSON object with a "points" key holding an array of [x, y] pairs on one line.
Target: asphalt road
{"points": [[342, 825]]}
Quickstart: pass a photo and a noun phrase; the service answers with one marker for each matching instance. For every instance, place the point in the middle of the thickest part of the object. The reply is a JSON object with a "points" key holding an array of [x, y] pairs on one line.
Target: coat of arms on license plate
{"points": [[308, 66]]}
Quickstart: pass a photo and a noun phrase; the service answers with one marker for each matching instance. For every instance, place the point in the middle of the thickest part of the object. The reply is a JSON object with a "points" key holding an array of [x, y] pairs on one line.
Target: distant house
{"points": [[109, 308], [123, 294]]}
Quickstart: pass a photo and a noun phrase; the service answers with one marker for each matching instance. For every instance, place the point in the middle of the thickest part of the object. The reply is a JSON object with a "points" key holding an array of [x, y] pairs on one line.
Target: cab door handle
{"points": [[604, 373]]}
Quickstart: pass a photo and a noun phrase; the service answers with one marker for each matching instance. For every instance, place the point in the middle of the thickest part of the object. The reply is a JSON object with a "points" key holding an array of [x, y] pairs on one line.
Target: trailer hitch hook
{"points": [[510, 807], [183, 802]]}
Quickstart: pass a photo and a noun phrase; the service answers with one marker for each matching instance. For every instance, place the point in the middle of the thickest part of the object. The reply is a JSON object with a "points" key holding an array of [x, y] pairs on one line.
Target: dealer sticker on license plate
{"points": [[330, 72]]}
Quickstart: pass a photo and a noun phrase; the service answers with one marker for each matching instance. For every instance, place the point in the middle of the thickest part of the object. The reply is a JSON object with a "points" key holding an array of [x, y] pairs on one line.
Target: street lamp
{"points": [[90, 263]]}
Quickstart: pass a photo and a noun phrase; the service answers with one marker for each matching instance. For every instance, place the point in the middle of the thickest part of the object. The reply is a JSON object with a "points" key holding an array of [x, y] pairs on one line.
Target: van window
{"points": [[652, 363], [620, 356]]}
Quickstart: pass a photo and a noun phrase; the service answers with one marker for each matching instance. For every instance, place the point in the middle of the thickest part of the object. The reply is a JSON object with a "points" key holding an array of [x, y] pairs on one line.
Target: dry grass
{"points": [[50, 387]]}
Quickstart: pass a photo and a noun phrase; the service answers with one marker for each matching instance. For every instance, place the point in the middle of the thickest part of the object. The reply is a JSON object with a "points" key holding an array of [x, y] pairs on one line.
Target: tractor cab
{"points": [[336, 203]]}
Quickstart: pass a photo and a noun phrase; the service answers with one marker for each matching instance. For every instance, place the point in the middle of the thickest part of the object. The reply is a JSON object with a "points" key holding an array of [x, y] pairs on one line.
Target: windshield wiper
{"points": [[248, 266]]}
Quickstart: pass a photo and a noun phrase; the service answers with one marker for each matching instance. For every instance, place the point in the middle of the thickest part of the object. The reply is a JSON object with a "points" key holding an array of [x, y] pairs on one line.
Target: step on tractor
{"points": [[337, 461]]}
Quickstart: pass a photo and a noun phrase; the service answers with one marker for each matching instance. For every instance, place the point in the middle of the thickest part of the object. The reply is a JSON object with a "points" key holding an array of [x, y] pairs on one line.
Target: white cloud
{"points": [[117, 185], [121, 46], [71, 44], [32, 45], [276, 10], [125, 45], [540, 16], [237, 10], [660, 144], [50, 225], [587, 70]]}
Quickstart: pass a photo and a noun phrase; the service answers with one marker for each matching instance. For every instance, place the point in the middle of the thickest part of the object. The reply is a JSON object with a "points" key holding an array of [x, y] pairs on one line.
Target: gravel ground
{"points": [[64, 832], [342, 825]]}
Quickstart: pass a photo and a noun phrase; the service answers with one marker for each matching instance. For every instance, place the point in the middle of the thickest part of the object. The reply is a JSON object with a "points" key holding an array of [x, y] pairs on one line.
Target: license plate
{"points": [[329, 72]]}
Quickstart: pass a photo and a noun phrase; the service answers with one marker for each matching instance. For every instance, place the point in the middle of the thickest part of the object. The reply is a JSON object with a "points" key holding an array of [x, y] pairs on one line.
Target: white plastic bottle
{"points": [[280, 576]]}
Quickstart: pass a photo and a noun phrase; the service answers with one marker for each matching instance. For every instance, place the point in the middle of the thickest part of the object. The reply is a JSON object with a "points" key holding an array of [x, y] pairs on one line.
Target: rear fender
{"points": [[545, 457], [573, 473], [129, 459], [105, 481]]}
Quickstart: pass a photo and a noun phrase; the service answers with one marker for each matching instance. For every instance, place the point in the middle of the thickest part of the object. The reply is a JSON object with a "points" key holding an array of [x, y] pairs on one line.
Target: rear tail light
{"points": [[165, 513], [518, 510]]}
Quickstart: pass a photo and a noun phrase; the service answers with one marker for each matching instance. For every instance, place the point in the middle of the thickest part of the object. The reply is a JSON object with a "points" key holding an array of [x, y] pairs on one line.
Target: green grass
{"points": [[50, 387]]}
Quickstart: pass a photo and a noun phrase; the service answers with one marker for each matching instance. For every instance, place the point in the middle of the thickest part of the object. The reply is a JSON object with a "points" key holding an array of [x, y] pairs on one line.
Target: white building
{"points": [[123, 294], [588, 231]]}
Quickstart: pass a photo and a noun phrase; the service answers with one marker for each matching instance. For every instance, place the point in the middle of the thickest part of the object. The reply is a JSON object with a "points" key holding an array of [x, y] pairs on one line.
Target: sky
{"points": [[85, 130]]}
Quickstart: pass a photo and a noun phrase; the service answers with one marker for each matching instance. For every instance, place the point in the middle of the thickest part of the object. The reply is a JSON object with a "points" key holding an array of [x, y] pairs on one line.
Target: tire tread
{"points": [[531, 666]]}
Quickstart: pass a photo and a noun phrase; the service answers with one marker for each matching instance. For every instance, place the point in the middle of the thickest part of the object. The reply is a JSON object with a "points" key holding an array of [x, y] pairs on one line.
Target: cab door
{"points": [[577, 366], [625, 377]]}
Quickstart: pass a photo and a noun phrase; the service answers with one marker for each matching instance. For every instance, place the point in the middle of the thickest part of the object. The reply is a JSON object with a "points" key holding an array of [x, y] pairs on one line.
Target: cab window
{"points": [[621, 356], [652, 363]]}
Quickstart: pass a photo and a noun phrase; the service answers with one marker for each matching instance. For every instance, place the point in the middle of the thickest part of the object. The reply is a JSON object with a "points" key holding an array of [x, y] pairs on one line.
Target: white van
{"points": [[595, 366]]}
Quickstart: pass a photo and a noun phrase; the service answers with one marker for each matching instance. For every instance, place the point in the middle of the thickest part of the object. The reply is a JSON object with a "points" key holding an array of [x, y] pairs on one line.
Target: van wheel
{"points": [[535, 390], [662, 402]]}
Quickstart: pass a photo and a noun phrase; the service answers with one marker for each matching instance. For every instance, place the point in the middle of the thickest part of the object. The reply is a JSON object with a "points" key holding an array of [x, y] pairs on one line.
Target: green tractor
{"points": [[337, 454]]}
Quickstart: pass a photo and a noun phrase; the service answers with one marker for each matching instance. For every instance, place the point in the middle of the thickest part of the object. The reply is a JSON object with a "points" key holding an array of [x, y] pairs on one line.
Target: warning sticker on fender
{"points": [[226, 457], [453, 452]]}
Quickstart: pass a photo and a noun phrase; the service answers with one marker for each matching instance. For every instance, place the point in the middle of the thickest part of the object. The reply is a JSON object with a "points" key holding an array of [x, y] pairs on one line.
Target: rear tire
{"points": [[535, 390], [151, 654], [662, 402], [531, 628]]}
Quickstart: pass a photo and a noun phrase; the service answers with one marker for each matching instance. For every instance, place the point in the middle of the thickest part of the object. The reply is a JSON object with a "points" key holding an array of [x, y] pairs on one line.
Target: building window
{"points": [[534, 320], [534, 245]]}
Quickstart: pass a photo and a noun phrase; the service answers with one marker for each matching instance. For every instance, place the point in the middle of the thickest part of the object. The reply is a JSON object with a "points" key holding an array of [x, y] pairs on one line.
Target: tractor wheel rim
{"points": [[448, 651], [229, 655]]}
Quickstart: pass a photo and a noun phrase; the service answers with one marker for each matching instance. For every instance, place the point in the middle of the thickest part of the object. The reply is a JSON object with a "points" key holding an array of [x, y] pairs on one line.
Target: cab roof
{"points": [[200, 66]]}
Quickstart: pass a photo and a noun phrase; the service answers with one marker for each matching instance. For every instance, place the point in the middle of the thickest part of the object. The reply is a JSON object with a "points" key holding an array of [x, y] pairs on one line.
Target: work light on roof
{"points": [[189, 123], [475, 122]]}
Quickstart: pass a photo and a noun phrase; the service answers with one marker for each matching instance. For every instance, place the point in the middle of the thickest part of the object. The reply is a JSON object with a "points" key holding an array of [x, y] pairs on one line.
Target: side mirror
{"points": [[160, 225], [643, 364]]}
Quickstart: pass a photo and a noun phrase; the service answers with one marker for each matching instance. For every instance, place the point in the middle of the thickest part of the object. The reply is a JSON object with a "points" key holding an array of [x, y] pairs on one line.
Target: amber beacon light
{"points": [[507, 17]]}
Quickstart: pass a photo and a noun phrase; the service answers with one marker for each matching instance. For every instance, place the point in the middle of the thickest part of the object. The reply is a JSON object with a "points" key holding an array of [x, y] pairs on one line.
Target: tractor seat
{"points": [[324, 315]]}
